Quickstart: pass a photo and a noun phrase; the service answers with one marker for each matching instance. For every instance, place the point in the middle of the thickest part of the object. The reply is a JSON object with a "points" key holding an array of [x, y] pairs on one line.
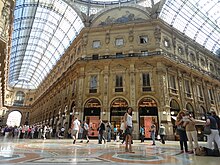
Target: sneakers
{"points": [[74, 141], [87, 141]]}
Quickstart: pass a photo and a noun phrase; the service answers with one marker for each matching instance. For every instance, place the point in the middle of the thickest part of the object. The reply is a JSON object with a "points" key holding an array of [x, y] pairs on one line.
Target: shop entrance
{"points": [[92, 115], [174, 110], [148, 112], [118, 109]]}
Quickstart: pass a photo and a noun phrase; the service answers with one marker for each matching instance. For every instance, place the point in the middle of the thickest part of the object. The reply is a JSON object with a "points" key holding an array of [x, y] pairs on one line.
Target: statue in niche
{"points": [[131, 36], [107, 38], [85, 40], [157, 34]]}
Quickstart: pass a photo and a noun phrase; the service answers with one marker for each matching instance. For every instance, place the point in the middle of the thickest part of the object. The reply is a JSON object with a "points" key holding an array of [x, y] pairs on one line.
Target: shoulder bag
{"points": [[207, 130]]}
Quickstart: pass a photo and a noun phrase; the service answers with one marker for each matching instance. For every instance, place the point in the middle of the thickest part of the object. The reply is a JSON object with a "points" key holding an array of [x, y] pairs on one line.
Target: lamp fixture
{"points": [[164, 112]]}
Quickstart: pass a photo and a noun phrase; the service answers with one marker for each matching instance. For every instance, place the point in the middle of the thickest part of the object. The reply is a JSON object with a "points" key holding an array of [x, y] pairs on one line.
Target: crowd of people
{"points": [[187, 132], [185, 126], [28, 132]]}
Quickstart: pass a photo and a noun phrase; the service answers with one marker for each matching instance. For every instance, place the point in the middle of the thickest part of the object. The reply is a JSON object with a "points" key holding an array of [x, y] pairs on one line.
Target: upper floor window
{"points": [[180, 50], [143, 39], [144, 53], [211, 66], [166, 43], [211, 96], [96, 44], [74, 87], [146, 86], [19, 98], [172, 84], [95, 56], [200, 92], [119, 41], [118, 83], [120, 55], [93, 84], [188, 89], [192, 57], [202, 61]]}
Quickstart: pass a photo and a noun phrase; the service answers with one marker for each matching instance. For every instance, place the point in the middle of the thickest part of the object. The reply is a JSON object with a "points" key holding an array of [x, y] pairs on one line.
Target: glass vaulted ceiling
{"points": [[198, 19], [43, 29]]}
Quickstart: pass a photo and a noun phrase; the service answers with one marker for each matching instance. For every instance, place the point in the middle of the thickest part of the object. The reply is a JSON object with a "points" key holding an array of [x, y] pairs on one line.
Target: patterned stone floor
{"points": [[62, 151]]}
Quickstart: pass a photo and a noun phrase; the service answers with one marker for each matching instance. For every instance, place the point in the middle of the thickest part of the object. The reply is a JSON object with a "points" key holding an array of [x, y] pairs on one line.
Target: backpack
{"points": [[204, 151]]}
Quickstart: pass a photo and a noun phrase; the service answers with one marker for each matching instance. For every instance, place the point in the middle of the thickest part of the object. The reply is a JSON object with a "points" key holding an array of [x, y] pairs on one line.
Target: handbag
{"points": [[158, 137], [207, 130]]}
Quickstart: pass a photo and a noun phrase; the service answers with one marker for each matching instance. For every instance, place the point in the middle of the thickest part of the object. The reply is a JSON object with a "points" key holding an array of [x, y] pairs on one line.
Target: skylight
{"points": [[43, 29], [197, 19]]}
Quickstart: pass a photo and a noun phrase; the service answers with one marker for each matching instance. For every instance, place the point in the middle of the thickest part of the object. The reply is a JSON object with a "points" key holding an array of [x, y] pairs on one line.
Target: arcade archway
{"points": [[92, 110], [14, 119], [190, 109], [174, 110], [148, 112], [118, 109]]}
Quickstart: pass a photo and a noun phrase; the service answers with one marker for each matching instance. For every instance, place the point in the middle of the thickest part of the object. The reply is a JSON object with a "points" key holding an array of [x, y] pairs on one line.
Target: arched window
{"points": [[19, 98], [189, 108], [174, 108]]}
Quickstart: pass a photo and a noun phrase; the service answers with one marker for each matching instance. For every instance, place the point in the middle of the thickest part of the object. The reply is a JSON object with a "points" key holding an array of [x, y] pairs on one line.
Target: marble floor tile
{"points": [[63, 151]]}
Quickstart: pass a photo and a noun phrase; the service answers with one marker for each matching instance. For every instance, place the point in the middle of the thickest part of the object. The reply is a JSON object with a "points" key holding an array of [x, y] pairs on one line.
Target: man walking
{"points": [[76, 127]]}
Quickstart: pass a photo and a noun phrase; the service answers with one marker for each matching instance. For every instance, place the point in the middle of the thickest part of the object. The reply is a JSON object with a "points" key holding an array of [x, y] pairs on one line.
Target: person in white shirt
{"points": [[76, 127], [44, 132], [128, 129]]}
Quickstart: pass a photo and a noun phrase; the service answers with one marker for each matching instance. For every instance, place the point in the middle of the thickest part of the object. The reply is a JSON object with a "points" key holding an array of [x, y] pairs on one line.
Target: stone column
{"points": [[132, 86], [164, 99], [180, 82], [80, 92], [106, 110]]}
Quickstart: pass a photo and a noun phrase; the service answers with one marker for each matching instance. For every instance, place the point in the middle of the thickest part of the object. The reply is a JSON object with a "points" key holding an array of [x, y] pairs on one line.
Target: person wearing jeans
{"points": [[181, 131], [153, 132]]}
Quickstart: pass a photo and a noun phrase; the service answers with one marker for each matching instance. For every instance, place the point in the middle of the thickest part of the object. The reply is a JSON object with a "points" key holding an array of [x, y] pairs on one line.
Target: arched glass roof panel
{"points": [[94, 6], [198, 19], [43, 30]]}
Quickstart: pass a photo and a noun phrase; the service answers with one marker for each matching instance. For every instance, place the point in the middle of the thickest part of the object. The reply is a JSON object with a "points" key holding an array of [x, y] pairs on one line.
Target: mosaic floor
{"points": [[61, 151]]}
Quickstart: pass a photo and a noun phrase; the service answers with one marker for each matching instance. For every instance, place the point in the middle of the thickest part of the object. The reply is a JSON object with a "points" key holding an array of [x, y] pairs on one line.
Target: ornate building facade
{"points": [[125, 57], [6, 17], [129, 60]]}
